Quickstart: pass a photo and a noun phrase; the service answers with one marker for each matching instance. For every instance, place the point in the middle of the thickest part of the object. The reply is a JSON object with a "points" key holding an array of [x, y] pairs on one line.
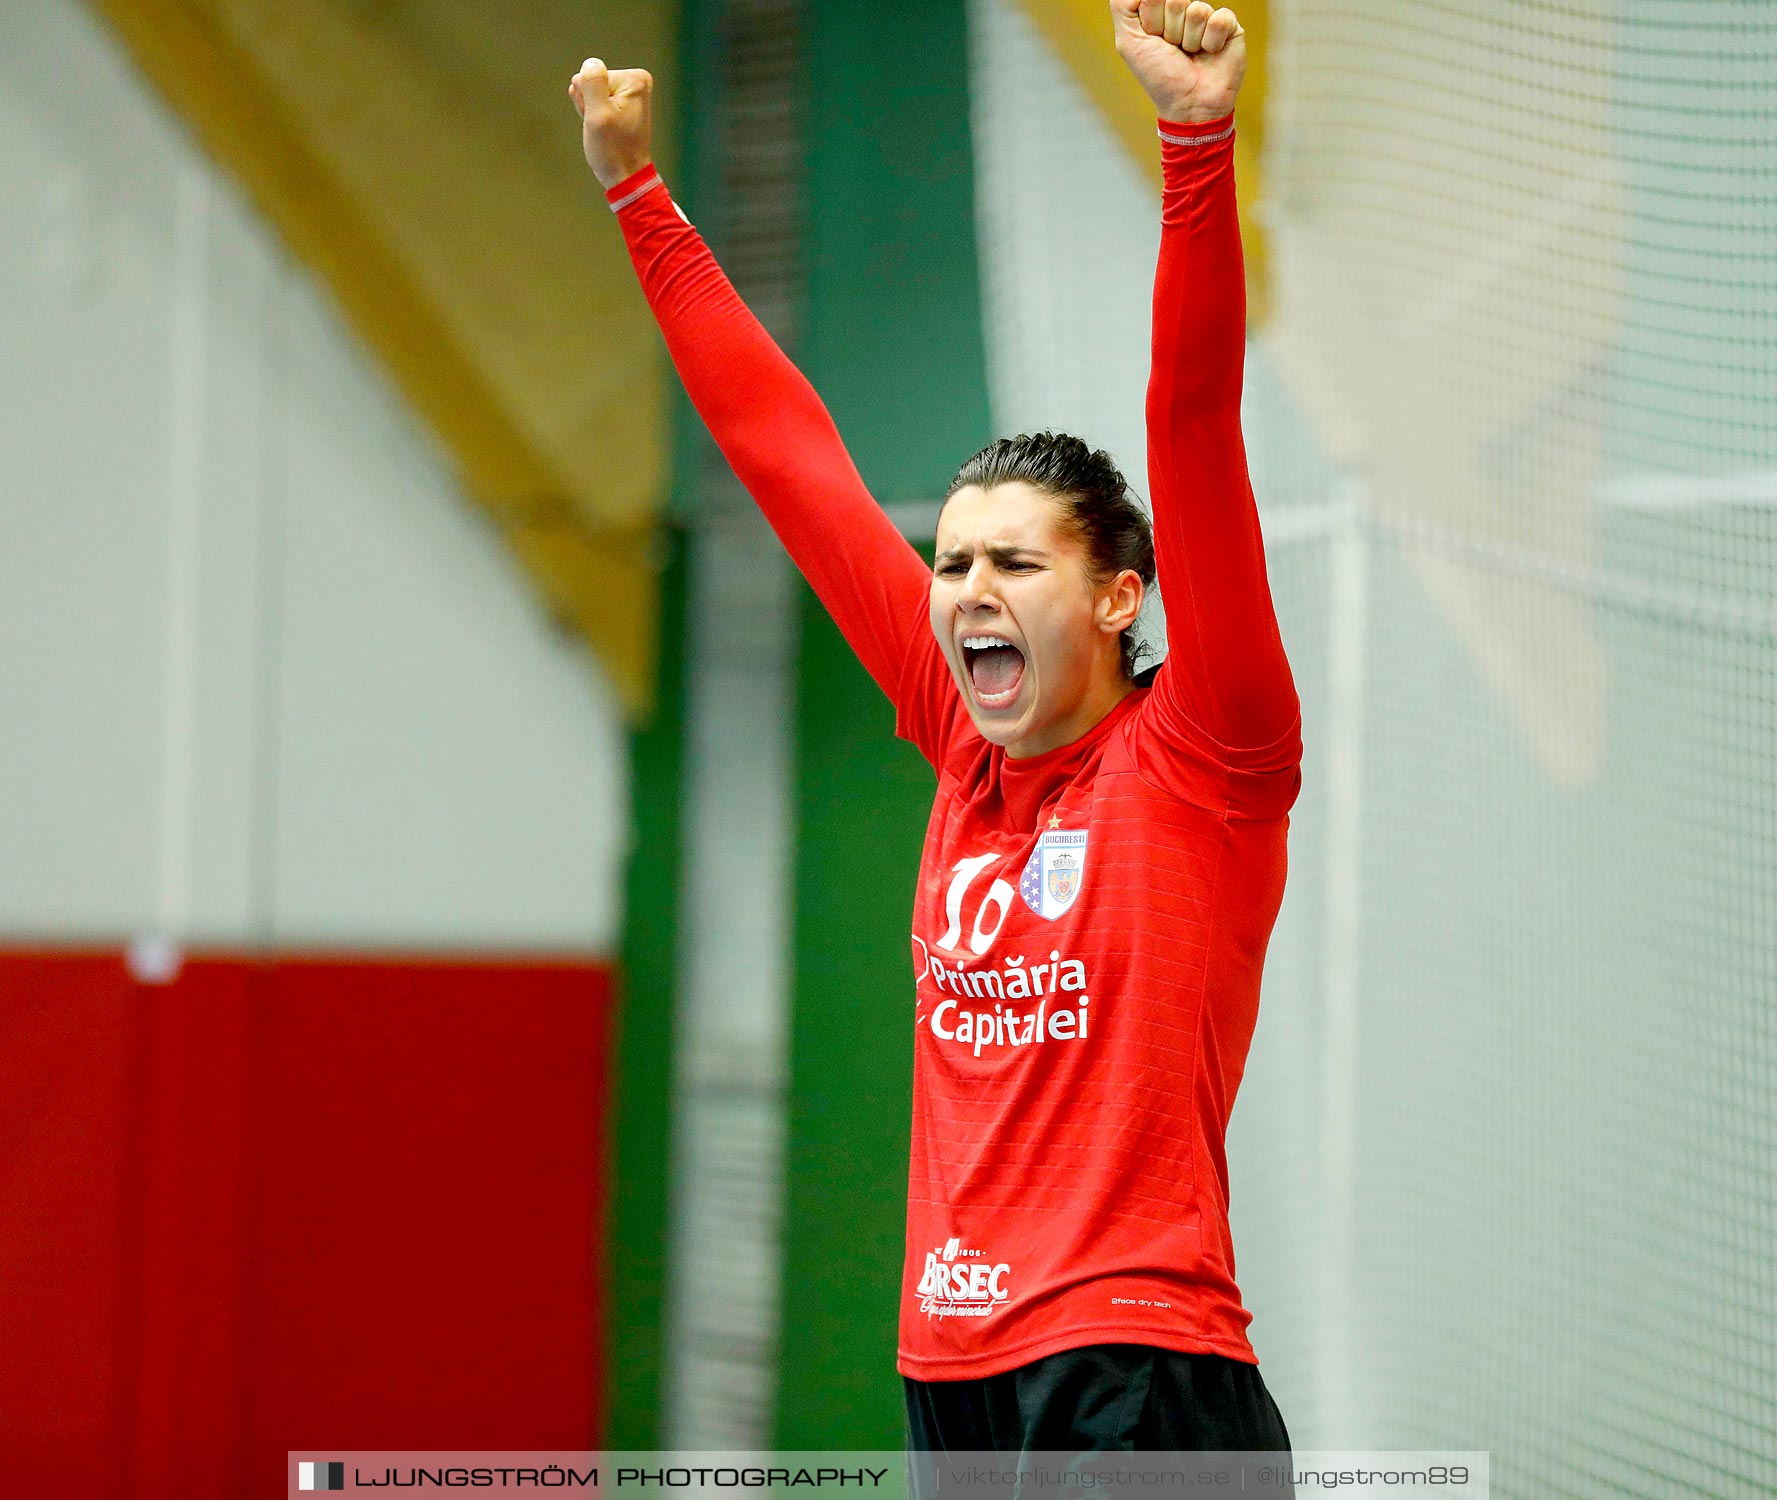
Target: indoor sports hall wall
{"points": [[313, 836], [311, 841], [1502, 1158]]}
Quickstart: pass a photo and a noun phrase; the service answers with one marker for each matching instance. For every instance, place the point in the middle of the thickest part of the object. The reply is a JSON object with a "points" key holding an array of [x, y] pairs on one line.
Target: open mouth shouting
{"points": [[995, 668]]}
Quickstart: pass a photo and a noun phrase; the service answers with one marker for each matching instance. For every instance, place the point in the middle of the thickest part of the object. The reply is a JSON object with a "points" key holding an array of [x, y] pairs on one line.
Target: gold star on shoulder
{"points": [[1055, 822]]}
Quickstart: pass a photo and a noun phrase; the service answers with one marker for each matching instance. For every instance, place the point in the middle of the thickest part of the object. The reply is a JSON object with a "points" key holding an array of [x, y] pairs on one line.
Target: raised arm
{"points": [[764, 415], [1226, 674]]}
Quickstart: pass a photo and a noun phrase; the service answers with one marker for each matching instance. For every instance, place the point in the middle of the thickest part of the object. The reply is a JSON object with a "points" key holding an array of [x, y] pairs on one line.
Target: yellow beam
{"points": [[424, 161], [1079, 33]]}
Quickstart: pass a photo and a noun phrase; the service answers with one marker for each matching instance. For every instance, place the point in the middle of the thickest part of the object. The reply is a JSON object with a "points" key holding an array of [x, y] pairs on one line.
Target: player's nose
{"points": [[979, 588]]}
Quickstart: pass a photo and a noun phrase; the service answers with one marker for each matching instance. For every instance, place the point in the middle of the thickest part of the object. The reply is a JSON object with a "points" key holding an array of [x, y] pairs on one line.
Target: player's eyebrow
{"points": [[998, 552]]}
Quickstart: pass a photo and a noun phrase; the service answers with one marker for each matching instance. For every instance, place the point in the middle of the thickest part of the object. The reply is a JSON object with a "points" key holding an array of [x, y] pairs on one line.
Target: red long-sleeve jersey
{"points": [[1090, 924]]}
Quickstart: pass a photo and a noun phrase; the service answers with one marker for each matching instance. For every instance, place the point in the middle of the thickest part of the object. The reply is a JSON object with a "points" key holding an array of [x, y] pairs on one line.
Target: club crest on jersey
{"points": [[1054, 872]]}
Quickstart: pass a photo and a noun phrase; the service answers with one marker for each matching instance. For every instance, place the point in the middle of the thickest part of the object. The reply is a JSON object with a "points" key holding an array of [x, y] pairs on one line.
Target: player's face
{"points": [[1032, 648]]}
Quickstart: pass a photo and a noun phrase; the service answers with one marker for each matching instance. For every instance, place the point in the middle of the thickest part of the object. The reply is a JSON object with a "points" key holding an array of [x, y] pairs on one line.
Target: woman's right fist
{"points": [[616, 118]]}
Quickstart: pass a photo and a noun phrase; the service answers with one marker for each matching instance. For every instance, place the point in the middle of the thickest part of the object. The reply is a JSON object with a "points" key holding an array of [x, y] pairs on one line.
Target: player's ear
{"points": [[1120, 603]]}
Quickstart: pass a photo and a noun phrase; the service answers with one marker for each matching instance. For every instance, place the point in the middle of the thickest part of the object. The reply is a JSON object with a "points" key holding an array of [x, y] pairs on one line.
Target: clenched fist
{"points": [[1190, 57], [616, 118]]}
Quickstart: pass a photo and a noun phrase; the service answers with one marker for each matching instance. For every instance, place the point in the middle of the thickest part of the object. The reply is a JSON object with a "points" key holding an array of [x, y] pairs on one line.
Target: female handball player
{"points": [[1106, 851]]}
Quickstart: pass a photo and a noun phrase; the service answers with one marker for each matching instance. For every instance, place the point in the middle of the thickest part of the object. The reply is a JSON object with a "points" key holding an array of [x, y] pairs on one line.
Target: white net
{"points": [[1503, 1163]]}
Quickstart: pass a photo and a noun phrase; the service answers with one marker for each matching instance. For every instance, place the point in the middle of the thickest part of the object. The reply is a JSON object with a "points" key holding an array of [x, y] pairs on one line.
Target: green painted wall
{"points": [[642, 1043], [893, 336], [893, 343], [644, 1026]]}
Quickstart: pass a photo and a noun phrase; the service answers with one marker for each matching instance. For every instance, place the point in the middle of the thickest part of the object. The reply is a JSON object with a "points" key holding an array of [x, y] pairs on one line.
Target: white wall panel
{"points": [[481, 752], [264, 671], [85, 328]]}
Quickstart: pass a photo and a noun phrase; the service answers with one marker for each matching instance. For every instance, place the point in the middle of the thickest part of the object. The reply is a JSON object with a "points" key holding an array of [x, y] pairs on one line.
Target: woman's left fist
{"points": [[1189, 56]]}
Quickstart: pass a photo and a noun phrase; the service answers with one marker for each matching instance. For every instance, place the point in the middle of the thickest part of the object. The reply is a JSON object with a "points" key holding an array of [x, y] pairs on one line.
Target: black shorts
{"points": [[1103, 1398]]}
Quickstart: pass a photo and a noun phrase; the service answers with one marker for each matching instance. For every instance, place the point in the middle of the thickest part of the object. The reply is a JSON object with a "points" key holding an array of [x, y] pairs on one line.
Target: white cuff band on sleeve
{"points": [[634, 193], [1199, 140]]}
